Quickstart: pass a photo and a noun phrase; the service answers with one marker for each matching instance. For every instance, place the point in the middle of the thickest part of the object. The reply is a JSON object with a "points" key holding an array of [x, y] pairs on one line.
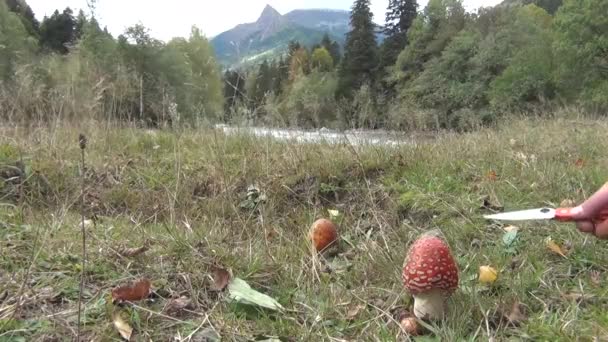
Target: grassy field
{"points": [[184, 194]]}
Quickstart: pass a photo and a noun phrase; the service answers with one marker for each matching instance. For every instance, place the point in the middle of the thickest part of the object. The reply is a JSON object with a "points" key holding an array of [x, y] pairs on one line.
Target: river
{"points": [[324, 135]]}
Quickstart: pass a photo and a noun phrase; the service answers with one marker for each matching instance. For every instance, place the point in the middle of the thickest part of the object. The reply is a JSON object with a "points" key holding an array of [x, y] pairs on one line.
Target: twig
{"points": [[82, 140]]}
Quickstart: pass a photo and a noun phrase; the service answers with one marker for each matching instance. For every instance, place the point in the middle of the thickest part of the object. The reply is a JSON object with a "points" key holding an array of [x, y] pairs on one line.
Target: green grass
{"points": [[182, 192]]}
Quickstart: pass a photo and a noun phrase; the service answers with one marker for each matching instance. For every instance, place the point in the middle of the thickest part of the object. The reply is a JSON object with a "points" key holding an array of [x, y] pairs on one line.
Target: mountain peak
{"points": [[269, 14]]}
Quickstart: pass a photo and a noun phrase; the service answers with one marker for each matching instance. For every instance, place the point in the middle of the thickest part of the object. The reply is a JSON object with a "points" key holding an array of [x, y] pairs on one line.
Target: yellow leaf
{"points": [[554, 247], [123, 327], [487, 274], [333, 213], [510, 229]]}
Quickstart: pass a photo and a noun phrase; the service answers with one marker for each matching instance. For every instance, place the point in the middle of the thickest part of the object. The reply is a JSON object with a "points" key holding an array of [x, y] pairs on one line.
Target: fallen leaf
{"points": [[410, 326], [333, 213], [521, 156], [567, 203], [509, 237], [221, 278], [87, 224], [516, 316], [487, 204], [137, 291], [515, 263], [241, 292], [596, 278], [178, 304], [492, 175], [554, 247], [124, 329], [354, 312], [577, 296], [579, 163], [131, 252], [487, 274], [509, 229], [206, 335]]}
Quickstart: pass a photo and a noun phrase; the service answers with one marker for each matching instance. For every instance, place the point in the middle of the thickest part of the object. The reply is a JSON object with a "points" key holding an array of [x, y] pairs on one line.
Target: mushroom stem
{"points": [[429, 305]]}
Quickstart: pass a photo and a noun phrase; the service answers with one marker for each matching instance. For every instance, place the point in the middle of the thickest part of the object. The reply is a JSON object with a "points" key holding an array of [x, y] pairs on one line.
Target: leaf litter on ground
{"points": [[240, 291], [134, 251], [123, 328], [178, 304], [554, 247], [221, 278], [487, 274], [132, 292]]}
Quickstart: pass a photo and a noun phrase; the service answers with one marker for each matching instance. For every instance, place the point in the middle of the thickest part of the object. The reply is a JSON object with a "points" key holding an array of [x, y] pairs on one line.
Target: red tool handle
{"points": [[595, 208], [572, 214]]}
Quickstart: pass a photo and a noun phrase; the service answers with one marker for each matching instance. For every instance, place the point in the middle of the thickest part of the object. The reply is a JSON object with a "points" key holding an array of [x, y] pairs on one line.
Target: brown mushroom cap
{"points": [[323, 233], [429, 265]]}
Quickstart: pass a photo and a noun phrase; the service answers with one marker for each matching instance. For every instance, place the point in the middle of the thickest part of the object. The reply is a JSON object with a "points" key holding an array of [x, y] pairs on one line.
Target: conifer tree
{"points": [[58, 31], [400, 15], [360, 52]]}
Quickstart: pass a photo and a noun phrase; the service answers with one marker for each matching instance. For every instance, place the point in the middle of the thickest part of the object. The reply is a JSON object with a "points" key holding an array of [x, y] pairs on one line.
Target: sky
{"points": [[168, 19]]}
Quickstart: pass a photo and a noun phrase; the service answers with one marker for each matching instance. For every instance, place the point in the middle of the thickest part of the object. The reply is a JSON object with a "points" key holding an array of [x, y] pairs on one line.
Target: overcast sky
{"points": [[167, 19]]}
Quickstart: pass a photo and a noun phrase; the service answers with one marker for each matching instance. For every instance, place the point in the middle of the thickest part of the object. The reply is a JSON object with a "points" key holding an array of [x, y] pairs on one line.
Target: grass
{"points": [[184, 193]]}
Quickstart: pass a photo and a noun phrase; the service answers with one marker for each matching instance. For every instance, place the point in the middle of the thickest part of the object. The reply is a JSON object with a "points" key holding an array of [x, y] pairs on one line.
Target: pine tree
{"points": [[81, 21], [281, 77], [58, 31], [360, 53], [399, 18], [263, 83]]}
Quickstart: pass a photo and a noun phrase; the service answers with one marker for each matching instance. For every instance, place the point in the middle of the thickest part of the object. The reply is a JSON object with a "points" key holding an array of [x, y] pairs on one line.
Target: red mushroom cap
{"points": [[429, 265]]}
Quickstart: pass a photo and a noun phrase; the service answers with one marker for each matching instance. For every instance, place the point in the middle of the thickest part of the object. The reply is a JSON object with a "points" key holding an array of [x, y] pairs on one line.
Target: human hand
{"points": [[592, 214]]}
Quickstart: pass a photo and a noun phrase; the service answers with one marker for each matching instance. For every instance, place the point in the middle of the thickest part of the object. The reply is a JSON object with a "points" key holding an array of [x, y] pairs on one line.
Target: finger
{"points": [[601, 230], [585, 226]]}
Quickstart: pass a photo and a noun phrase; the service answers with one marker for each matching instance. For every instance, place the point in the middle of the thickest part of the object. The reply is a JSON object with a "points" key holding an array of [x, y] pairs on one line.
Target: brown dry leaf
{"points": [[221, 278], [555, 248], [131, 252], [354, 312], [567, 203], [492, 175], [178, 304], [596, 278], [137, 291], [577, 296], [487, 204], [124, 329], [509, 229], [516, 316], [410, 326]]}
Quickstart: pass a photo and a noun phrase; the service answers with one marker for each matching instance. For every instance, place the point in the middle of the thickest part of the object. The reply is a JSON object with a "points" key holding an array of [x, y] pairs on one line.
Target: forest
{"points": [[440, 67]]}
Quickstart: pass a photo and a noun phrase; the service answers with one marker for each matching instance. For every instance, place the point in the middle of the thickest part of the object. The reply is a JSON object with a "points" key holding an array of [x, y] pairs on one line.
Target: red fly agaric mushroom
{"points": [[323, 233], [430, 275]]}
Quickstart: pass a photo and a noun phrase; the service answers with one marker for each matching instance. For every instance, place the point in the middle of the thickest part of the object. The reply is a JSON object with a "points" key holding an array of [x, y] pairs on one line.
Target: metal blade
{"points": [[522, 215]]}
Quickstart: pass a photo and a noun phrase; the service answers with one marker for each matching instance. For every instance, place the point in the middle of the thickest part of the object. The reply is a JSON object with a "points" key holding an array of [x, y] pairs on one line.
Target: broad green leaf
{"points": [[240, 291], [509, 238]]}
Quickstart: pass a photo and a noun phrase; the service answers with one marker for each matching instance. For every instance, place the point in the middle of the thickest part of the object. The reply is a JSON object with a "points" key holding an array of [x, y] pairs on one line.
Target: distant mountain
{"points": [[269, 36]]}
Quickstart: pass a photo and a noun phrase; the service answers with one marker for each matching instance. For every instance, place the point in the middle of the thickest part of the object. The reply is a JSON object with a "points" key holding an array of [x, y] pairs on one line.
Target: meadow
{"points": [[184, 207]]}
